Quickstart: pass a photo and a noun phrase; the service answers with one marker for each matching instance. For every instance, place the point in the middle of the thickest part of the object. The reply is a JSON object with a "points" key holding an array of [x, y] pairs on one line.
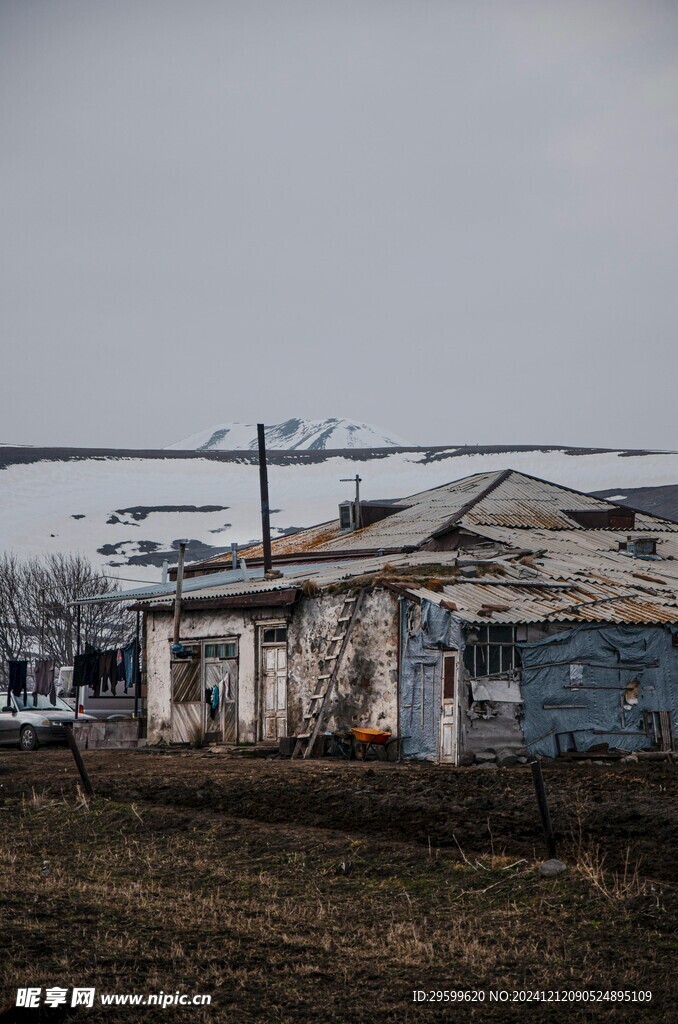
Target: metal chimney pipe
{"points": [[263, 487], [234, 556]]}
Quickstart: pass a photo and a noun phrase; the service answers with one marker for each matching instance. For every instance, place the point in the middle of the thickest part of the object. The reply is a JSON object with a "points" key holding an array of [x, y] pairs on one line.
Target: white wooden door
{"points": [[448, 716], [274, 680]]}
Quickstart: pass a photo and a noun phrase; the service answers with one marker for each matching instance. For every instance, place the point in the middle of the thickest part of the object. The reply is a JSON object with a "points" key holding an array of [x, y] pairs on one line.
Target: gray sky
{"points": [[454, 219]]}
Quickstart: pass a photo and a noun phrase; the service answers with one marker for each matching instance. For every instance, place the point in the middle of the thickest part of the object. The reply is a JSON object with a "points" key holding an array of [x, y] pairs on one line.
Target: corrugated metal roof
{"points": [[233, 581], [582, 602], [572, 574], [507, 498], [231, 584]]}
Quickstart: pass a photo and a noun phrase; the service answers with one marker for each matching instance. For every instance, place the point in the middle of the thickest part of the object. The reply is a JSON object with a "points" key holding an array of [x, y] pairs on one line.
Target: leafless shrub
{"points": [[613, 885]]}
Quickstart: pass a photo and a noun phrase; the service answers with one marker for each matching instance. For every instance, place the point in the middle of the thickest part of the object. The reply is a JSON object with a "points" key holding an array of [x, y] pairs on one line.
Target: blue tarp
{"points": [[420, 675], [592, 667]]}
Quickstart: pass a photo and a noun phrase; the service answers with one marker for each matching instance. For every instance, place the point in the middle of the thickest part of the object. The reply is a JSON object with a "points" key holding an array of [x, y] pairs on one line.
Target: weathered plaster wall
{"points": [[366, 693], [367, 689], [197, 625]]}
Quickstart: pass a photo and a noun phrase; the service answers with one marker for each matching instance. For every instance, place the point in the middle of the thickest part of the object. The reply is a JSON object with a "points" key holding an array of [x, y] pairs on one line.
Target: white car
{"points": [[30, 723]]}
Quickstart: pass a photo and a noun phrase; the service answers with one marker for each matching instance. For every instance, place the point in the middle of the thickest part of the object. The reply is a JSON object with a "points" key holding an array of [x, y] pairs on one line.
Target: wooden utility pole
{"points": [[263, 488], [177, 595]]}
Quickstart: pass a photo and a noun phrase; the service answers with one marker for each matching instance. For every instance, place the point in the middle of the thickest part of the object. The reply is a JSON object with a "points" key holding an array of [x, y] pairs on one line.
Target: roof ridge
{"points": [[587, 494], [500, 477]]}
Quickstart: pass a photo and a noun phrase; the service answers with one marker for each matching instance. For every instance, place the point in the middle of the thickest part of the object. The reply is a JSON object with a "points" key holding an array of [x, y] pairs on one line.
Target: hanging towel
{"points": [[86, 669], [107, 671], [214, 701], [129, 655], [44, 676]]}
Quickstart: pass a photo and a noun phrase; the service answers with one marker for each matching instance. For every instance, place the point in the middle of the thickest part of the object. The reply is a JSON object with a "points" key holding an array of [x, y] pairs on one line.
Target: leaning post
{"points": [[77, 757], [542, 804]]}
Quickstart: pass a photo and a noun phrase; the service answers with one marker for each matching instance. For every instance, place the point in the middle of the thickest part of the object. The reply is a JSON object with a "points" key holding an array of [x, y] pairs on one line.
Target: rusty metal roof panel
{"points": [[490, 604], [526, 502], [512, 600], [506, 499], [323, 574]]}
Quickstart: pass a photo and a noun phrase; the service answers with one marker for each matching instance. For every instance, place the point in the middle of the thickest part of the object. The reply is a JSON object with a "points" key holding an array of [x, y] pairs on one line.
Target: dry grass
{"points": [[141, 896]]}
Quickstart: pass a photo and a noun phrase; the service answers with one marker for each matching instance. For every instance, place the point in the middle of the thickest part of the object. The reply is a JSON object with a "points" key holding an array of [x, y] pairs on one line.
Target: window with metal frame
{"points": [[491, 650]]}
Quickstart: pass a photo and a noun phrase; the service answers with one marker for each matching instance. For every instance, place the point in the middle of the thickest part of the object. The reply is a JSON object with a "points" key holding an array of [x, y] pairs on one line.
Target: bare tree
{"points": [[13, 617], [38, 617]]}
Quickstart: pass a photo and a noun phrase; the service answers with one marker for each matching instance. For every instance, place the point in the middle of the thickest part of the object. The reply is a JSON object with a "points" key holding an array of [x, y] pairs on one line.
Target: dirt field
{"points": [[197, 872]]}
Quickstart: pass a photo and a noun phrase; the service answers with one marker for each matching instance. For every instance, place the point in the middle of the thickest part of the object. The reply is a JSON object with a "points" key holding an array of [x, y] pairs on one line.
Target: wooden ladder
{"points": [[326, 681]]}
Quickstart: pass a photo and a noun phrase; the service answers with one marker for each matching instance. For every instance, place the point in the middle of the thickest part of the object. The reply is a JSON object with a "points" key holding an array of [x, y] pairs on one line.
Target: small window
{"points": [[491, 650], [448, 677], [500, 634], [275, 635], [345, 517], [227, 650]]}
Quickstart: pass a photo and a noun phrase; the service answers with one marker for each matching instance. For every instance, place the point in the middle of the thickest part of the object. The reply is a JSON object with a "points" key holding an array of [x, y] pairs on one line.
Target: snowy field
{"points": [[114, 509]]}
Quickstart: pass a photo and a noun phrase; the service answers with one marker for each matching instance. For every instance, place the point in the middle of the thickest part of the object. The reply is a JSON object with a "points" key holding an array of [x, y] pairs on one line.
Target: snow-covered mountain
{"points": [[292, 435]]}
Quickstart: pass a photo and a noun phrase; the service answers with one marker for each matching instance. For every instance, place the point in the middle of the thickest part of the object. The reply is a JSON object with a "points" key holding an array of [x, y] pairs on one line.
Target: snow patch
{"points": [[130, 503]]}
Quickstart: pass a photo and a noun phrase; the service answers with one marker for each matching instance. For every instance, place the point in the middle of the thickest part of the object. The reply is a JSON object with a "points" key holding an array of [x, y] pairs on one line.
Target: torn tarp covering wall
{"points": [[426, 630], [580, 686], [506, 691], [440, 627]]}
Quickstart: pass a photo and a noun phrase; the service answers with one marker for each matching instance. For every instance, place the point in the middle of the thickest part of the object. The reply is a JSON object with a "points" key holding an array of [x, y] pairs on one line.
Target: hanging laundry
{"points": [[107, 671], [120, 666], [44, 680], [44, 676], [18, 673], [86, 669], [214, 701], [130, 658]]}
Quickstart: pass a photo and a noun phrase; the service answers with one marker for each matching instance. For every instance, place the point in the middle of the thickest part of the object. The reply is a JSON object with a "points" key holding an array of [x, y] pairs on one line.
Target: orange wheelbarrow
{"points": [[372, 739]]}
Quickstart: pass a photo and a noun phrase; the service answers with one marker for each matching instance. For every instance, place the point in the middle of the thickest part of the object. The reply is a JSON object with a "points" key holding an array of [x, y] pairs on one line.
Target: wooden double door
{"points": [[205, 694]]}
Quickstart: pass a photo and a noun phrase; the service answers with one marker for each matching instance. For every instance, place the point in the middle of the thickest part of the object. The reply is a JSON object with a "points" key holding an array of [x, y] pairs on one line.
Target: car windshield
{"points": [[37, 702]]}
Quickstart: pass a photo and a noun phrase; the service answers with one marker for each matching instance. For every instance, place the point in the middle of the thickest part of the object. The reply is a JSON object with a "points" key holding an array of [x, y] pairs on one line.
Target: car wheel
{"points": [[29, 738]]}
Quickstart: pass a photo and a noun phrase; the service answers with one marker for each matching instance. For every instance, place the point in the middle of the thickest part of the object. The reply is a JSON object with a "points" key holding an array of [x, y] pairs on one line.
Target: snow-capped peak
{"points": [[294, 434]]}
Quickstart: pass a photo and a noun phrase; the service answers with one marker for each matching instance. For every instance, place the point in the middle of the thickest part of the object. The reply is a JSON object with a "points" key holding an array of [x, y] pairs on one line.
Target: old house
{"points": [[499, 610]]}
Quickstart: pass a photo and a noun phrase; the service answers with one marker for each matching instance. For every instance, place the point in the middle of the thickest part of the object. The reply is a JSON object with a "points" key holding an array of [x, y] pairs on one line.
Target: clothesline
{"points": [[103, 670], [43, 672]]}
